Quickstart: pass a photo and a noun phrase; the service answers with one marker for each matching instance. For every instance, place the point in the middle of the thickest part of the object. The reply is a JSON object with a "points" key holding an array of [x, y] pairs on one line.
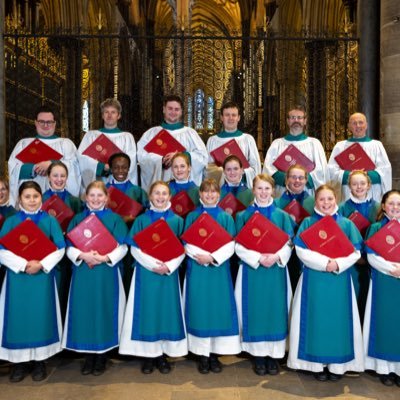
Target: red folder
{"points": [[91, 234], [229, 148], [163, 143], [260, 234], [291, 156], [28, 241], [2, 219], [182, 204], [101, 149], [57, 208], [159, 241], [207, 234], [360, 222], [38, 151], [326, 237], [354, 157], [122, 204], [231, 204], [386, 242], [296, 211]]}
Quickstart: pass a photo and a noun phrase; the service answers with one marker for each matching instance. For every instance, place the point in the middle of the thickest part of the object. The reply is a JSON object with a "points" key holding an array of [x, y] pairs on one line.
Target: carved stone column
{"points": [[390, 84]]}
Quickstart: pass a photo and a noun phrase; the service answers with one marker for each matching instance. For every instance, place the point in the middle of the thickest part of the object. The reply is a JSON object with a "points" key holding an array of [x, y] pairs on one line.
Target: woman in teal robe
{"points": [[30, 326], [382, 318], [264, 324], [96, 300], [325, 333], [210, 308], [153, 323]]}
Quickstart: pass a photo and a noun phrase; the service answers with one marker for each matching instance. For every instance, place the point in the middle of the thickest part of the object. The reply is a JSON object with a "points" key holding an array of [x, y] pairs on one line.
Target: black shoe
{"points": [[19, 372], [260, 367], [148, 366], [204, 365], [321, 376], [88, 364], [397, 380], [39, 372], [334, 377], [100, 363], [163, 365], [215, 365], [272, 366], [387, 380]]}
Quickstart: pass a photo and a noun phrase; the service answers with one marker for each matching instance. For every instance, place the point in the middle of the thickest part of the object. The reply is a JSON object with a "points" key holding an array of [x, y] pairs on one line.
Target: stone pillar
{"points": [[3, 144], [390, 84], [368, 82]]}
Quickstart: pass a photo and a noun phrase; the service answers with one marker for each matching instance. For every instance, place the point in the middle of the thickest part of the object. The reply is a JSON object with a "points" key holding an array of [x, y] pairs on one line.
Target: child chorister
{"points": [[210, 309], [382, 319], [153, 325], [263, 292]]}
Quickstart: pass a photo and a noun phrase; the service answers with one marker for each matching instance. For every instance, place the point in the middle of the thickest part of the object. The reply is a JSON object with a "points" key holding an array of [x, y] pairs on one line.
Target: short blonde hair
{"points": [[154, 184], [208, 184], [97, 185], [265, 178]]}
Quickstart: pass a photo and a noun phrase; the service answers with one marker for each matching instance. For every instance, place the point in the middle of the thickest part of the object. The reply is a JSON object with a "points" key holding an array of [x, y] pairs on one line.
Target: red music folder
{"points": [[229, 148], [122, 204], [231, 204], [91, 234], [291, 156], [360, 222], [38, 151], [163, 143], [57, 208], [182, 204], [260, 234], [207, 234], [326, 237], [28, 241], [386, 242], [296, 211], [159, 241], [101, 149], [354, 157]]}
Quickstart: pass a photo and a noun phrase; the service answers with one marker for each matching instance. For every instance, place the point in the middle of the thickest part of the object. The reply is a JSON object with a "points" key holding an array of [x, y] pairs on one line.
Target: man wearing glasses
{"points": [[45, 125], [309, 146]]}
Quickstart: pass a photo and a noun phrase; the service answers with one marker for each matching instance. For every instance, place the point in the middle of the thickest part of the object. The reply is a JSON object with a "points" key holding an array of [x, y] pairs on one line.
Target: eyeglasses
{"points": [[45, 123], [296, 117], [295, 177]]}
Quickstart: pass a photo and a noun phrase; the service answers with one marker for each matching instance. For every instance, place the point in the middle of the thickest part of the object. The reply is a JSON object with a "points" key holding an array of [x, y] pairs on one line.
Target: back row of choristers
{"points": [[207, 328]]}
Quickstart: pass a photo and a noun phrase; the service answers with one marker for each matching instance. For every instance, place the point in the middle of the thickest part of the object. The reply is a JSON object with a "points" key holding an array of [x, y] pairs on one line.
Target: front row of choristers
{"points": [[154, 316]]}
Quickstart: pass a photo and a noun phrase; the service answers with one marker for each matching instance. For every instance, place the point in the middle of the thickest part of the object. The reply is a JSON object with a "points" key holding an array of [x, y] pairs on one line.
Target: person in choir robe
{"points": [[381, 176], [264, 324], [325, 329], [230, 118], [91, 169], [181, 177], [210, 308], [155, 167], [19, 172], [96, 300], [30, 326], [309, 146], [360, 200], [296, 179], [57, 175], [153, 324], [382, 323]]}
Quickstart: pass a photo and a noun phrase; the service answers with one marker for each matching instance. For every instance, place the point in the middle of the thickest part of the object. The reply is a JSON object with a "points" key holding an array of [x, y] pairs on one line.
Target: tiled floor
{"points": [[123, 380]]}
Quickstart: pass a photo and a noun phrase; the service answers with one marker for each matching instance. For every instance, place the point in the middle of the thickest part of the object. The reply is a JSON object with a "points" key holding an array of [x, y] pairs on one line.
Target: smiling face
{"points": [[233, 172], [358, 125], [262, 191], [120, 169], [359, 186], [296, 121], [209, 197], [30, 199], [230, 119], [296, 180], [45, 124], [4, 193], [325, 202], [392, 206], [180, 169], [160, 196], [96, 198], [110, 117], [58, 178], [172, 112]]}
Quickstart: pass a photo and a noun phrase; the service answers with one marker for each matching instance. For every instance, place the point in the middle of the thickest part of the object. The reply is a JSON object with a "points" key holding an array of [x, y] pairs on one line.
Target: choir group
{"points": [[203, 256]]}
